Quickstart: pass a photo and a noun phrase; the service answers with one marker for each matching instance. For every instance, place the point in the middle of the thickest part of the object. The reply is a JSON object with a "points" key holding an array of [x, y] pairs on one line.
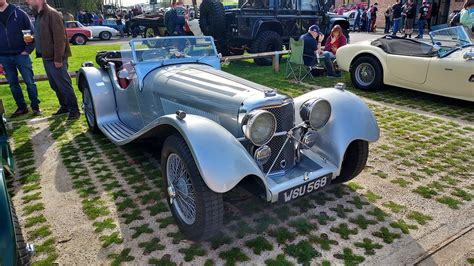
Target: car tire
{"points": [[266, 41], [212, 18], [208, 205], [151, 32], [89, 110], [79, 39], [105, 35], [366, 73], [354, 161], [23, 254]]}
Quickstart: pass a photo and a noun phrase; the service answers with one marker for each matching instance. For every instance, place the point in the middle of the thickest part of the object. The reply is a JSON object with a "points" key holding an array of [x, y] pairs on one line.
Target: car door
{"points": [[406, 71], [451, 76], [128, 109]]}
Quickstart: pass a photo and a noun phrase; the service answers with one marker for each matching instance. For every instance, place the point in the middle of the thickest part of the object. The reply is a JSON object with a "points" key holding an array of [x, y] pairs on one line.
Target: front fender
{"points": [[101, 88], [222, 161], [351, 119]]}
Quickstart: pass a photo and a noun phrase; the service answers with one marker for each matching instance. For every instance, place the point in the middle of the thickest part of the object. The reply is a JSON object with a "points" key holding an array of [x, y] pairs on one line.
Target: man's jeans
{"points": [[328, 58], [421, 27], [61, 83], [396, 25], [12, 64]]}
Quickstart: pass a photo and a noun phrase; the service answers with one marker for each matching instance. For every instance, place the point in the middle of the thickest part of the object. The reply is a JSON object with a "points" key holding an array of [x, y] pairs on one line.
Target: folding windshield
{"points": [[449, 39], [169, 48]]}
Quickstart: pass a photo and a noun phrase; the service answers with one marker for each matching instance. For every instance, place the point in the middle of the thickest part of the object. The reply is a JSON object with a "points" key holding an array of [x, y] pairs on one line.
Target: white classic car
{"points": [[98, 32], [445, 67]]}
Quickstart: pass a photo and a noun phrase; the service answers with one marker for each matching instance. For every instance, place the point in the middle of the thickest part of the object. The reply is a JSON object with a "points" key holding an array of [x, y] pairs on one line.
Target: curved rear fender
{"points": [[267, 25], [101, 89], [222, 161], [351, 119]]}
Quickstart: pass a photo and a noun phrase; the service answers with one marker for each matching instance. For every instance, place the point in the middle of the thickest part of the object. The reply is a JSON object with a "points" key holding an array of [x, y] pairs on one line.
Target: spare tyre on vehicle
{"points": [[212, 18]]}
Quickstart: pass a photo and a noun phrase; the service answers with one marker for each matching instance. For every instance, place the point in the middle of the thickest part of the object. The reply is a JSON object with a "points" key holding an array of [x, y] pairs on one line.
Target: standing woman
{"points": [[409, 9]]}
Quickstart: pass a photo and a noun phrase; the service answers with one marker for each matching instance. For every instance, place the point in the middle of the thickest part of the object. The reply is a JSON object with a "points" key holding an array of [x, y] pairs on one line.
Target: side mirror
{"points": [[468, 55], [123, 74]]}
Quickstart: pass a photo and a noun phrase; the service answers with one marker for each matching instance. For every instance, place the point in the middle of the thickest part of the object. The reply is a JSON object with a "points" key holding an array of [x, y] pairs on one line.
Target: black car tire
{"points": [[212, 18], [23, 255], [375, 69], [86, 93], [209, 211], [354, 161], [266, 41], [79, 39], [105, 35]]}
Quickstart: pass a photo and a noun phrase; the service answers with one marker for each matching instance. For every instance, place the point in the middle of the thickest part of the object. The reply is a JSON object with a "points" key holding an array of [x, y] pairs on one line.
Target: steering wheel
{"points": [[154, 54]]}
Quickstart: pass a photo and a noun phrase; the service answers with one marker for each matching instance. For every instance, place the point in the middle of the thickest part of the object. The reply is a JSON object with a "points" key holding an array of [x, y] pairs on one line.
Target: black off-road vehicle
{"points": [[264, 25]]}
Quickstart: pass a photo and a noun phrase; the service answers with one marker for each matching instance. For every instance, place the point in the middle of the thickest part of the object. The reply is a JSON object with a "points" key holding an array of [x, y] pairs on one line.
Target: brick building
{"points": [[445, 7]]}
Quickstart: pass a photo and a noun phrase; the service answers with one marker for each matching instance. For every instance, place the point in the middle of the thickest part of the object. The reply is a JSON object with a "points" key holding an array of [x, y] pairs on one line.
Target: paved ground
{"points": [[82, 200]]}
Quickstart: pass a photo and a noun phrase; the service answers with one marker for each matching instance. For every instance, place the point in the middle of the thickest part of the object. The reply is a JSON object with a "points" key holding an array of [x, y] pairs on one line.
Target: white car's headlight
{"points": [[259, 127], [316, 112]]}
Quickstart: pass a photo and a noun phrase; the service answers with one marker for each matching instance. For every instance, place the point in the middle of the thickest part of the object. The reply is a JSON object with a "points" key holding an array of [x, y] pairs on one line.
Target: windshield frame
{"points": [[464, 40], [134, 49]]}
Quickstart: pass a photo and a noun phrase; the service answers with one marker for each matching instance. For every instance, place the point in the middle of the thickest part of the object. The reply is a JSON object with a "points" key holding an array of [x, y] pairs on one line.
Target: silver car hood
{"points": [[205, 91]]}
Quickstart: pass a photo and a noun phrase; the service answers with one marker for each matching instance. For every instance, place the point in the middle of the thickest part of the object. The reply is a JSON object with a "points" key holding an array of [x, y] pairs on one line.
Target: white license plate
{"points": [[304, 189]]}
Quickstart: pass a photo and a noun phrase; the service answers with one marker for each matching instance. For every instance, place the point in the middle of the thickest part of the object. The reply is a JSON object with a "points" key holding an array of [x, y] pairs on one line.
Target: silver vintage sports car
{"points": [[218, 130]]}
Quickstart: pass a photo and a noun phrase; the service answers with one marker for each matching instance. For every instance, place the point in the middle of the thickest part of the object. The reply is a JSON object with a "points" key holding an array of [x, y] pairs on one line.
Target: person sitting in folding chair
{"points": [[312, 45], [335, 40], [303, 57]]}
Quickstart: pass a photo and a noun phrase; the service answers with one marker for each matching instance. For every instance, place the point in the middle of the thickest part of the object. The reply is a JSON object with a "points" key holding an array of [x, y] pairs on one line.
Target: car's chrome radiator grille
{"points": [[285, 116]]}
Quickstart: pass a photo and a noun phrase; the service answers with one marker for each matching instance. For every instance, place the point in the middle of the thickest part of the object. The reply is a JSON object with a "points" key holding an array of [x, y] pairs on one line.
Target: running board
{"points": [[117, 131]]}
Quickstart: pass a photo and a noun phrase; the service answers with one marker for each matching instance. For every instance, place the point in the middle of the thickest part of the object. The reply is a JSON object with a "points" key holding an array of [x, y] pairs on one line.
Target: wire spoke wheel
{"points": [[365, 74], [181, 189]]}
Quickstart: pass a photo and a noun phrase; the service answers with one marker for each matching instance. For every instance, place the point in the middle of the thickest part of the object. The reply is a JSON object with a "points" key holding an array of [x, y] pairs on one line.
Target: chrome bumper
{"points": [[310, 167]]}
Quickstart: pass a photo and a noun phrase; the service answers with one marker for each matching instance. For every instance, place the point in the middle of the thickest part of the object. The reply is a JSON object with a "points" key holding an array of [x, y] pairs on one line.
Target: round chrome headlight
{"points": [[259, 127], [316, 112]]}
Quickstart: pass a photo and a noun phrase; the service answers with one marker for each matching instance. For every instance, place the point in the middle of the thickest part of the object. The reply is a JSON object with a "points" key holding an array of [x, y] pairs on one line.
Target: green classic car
{"points": [[13, 248]]}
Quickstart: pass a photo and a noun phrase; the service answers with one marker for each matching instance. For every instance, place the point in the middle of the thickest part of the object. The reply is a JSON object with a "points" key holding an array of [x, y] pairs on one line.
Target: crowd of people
{"points": [[401, 17]]}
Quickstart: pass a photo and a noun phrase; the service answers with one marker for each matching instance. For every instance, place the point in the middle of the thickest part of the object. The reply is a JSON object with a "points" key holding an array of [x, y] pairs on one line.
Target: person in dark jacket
{"points": [[397, 17], [423, 15], [15, 56], [388, 20], [52, 45], [175, 20], [312, 45]]}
